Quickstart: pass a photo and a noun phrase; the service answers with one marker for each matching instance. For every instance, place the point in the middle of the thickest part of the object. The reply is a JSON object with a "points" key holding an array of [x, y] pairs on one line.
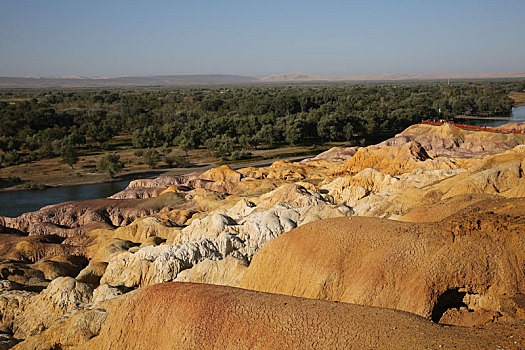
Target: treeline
{"points": [[42, 124]]}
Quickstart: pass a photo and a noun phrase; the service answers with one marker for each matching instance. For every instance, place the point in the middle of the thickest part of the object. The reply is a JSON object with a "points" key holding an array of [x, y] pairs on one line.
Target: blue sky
{"points": [[334, 38]]}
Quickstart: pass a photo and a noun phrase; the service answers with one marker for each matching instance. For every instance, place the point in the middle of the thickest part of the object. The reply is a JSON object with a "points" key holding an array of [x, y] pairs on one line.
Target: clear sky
{"points": [[334, 38]]}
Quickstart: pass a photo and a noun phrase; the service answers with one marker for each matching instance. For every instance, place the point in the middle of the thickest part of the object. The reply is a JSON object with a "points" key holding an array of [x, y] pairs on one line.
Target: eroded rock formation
{"points": [[206, 316], [470, 261], [452, 251]]}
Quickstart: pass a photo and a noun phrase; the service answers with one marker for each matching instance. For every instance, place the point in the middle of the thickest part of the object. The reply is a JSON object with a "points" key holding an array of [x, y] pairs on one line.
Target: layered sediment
{"points": [[430, 223]]}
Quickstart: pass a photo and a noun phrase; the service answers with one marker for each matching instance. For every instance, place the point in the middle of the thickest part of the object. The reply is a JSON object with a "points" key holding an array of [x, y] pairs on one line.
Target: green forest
{"points": [[38, 124]]}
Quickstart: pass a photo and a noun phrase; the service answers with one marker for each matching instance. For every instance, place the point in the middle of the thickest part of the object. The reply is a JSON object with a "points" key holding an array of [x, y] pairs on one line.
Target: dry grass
{"points": [[12, 101], [51, 172], [518, 97]]}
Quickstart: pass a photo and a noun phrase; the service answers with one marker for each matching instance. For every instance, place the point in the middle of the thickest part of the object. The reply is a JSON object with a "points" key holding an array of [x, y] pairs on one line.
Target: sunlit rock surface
{"points": [[451, 252]]}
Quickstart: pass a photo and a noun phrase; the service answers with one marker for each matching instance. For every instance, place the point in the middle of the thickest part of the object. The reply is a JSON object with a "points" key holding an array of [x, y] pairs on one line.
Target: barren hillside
{"points": [[424, 228]]}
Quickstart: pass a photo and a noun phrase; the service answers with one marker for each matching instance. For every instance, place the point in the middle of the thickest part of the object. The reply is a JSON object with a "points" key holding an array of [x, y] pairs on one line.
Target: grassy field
{"points": [[518, 97]]}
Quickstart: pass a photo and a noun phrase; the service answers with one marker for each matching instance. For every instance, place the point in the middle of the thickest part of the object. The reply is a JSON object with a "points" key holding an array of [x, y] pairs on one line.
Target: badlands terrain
{"points": [[417, 242]]}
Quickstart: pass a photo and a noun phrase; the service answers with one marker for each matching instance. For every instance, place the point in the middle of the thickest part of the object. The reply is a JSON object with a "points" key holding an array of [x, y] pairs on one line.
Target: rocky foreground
{"points": [[417, 242]]}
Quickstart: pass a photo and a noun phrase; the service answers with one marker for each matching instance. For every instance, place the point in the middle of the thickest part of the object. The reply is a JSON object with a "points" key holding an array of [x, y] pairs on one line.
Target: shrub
{"points": [[110, 164], [243, 154]]}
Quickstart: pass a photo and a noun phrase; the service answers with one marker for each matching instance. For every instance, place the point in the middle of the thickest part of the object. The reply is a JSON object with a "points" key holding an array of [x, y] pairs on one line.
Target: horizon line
{"points": [[79, 77]]}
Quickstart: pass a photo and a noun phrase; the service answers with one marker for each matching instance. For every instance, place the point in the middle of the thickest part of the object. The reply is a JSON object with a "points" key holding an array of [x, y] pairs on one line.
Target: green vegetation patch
{"points": [[231, 122]]}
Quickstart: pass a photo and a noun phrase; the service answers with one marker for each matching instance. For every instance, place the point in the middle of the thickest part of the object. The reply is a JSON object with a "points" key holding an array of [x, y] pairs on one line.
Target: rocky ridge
{"points": [[206, 316]]}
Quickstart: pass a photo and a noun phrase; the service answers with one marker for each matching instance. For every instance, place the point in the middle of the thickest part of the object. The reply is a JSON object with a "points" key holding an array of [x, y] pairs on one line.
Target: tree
{"points": [[164, 150], [11, 158], [176, 161], [242, 154], [100, 132], [265, 135], [151, 157], [185, 143], [292, 133], [69, 155], [348, 131], [149, 136], [76, 137], [221, 146], [329, 127], [110, 164], [244, 141]]}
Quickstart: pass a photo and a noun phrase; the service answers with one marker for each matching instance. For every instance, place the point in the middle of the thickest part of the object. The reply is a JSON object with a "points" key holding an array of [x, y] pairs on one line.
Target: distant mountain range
{"points": [[303, 77], [158, 80], [222, 79]]}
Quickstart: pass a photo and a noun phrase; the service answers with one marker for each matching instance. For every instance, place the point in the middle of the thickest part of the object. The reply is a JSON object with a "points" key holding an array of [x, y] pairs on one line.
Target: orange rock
{"points": [[473, 257], [222, 173], [199, 316]]}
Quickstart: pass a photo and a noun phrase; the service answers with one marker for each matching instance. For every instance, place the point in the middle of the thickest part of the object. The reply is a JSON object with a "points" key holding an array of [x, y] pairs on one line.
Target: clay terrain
{"points": [[417, 242]]}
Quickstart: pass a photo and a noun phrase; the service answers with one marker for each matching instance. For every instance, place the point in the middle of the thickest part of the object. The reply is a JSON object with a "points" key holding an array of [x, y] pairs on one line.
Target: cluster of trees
{"points": [[230, 120], [111, 164], [151, 156]]}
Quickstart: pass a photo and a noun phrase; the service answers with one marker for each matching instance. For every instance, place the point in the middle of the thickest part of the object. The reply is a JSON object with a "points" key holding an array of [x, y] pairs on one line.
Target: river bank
{"points": [[517, 115], [16, 202], [51, 173]]}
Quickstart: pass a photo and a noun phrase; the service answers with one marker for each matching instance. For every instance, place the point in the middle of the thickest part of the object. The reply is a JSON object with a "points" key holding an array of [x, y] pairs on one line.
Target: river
{"points": [[517, 115], [14, 203]]}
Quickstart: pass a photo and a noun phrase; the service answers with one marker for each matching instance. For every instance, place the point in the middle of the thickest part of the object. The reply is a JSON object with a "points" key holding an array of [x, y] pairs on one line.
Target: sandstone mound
{"points": [[77, 218], [13, 300], [63, 295], [142, 229], [157, 264], [92, 273], [335, 154], [34, 248], [458, 258], [221, 179], [57, 266], [222, 173], [164, 181], [500, 174], [294, 195], [139, 192], [214, 237], [374, 193], [392, 160], [225, 272], [104, 248], [285, 170], [453, 205], [198, 316], [469, 263], [22, 274], [72, 332], [449, 140], [513, 126]]}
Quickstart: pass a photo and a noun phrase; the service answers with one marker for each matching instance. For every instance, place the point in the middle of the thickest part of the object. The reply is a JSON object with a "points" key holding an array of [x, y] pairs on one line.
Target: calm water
{"points": [[14, 203], [518, 115]]}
